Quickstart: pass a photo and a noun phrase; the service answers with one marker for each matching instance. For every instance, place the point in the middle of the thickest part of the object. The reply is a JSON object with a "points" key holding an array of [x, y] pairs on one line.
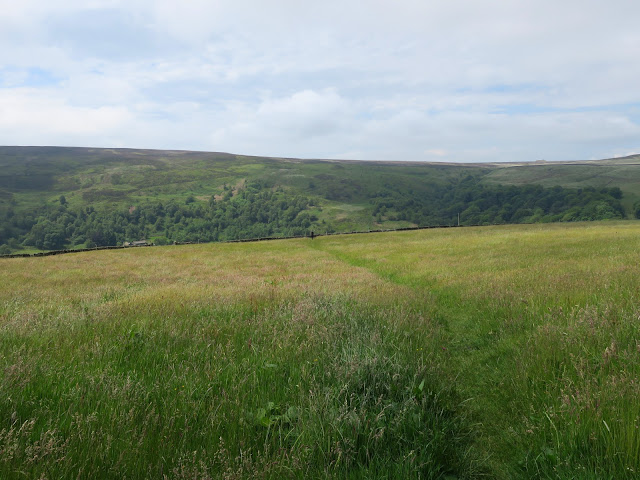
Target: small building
{"points": [[137, 243]]}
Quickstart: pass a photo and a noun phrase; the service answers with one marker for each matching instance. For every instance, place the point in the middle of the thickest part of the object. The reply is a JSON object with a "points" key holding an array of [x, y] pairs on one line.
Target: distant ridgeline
{"points": [[261, 208]]}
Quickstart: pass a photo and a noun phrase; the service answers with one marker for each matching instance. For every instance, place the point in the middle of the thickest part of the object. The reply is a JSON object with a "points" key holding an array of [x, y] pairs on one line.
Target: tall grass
{"points": [[542, 333], [212, 364], [506, 352], [313, 387]]}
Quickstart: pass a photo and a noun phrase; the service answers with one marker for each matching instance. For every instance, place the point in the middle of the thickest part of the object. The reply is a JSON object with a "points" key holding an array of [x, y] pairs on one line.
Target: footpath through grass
{"points": [[540, 330], [501, 352]]}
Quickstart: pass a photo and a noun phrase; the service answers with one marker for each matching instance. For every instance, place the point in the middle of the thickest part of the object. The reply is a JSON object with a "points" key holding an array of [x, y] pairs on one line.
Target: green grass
{"points": [[497, 352]]}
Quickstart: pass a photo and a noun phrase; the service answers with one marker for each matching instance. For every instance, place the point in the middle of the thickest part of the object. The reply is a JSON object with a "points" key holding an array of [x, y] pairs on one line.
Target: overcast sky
{"points": [[446, 80]]}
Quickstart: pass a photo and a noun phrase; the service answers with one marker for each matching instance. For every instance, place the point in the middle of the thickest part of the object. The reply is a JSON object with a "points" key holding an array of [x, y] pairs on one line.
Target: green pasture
{"points": [[482, 352]]}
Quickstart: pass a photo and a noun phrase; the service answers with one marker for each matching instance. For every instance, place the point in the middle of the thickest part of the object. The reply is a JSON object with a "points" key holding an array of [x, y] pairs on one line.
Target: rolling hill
{"points": [[59, 197]]}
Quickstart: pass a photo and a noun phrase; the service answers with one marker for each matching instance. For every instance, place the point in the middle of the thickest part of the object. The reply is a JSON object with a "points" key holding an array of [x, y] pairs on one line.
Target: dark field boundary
{"points": [[244, 240]]}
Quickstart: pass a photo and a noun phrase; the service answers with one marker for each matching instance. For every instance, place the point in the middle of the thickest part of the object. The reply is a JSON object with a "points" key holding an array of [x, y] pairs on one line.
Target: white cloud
{"points": [[412, 80], [306, 119], [305, 113], [27, 116]]}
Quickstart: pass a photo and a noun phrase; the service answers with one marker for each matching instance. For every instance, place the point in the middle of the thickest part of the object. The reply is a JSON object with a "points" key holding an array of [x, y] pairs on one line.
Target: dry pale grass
{"points": [[225, 270], [173, 279]]}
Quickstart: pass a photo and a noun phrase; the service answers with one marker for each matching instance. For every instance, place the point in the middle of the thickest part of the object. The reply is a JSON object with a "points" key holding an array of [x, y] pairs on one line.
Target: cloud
{"points": [[106, 33], [28, 117], [409, 80], [303, 120], [304, 114]]}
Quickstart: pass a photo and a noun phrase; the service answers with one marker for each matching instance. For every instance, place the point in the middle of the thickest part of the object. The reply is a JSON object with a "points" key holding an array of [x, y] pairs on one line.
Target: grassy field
{"points": [[494, 352]]}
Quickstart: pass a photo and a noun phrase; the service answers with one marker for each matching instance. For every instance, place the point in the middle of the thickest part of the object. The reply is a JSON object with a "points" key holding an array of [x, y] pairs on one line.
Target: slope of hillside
{"points": [[620, 172], [54, 197]]}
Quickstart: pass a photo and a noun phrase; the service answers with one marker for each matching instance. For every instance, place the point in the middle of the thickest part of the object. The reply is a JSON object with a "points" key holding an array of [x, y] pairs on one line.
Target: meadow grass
{"points": [[542, 333], [494, 352]]}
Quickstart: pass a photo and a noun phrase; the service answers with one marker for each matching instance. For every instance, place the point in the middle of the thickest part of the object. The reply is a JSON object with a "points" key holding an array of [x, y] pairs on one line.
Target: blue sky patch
{"points": [[31, 77]]}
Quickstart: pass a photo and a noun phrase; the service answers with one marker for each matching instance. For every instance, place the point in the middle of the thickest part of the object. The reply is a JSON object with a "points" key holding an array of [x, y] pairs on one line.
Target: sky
{"points": [[411, 80]]}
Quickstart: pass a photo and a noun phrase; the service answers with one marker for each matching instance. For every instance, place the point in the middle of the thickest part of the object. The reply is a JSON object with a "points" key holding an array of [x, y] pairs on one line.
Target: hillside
{"points": [[621, 172], [501, 352], [55, 197]]}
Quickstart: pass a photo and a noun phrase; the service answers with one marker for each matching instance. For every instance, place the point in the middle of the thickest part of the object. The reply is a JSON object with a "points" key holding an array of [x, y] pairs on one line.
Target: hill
{"points": [[499, 352], [56, 197], [621, 172]]}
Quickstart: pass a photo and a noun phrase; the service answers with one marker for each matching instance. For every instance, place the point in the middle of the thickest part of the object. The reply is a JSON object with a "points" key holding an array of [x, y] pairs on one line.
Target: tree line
{"points": [[481, 204], [253, 212], [260, 210]]}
